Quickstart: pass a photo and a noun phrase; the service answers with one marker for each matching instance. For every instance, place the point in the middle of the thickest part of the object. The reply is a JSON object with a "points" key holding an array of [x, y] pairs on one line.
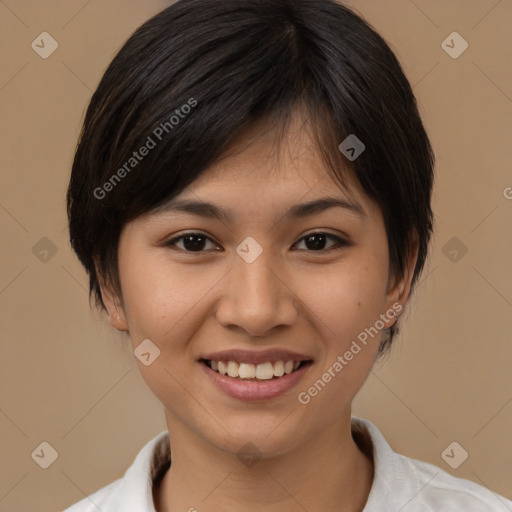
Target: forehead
{"points": [[267, 159], [262, 173]]}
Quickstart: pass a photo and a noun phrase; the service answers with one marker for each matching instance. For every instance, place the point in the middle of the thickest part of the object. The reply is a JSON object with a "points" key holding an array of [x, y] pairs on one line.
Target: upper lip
{"points": [[253, 357]]}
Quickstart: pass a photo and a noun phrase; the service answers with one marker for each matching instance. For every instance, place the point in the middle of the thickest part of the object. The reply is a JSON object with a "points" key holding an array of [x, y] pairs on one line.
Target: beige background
{"points": [[64, 376]]}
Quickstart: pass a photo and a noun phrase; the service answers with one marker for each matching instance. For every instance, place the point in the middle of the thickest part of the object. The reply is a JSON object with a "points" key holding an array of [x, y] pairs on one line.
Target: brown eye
{"points": [[316, 241], [191, 242]]}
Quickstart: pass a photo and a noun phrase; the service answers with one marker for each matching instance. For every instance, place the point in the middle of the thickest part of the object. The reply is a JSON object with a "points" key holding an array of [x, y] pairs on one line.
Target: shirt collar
{"points": [[136, 490], [395, 483], [392, 488]]}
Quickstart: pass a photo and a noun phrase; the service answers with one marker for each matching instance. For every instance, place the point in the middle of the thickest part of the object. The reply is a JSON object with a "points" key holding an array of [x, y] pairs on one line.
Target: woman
{"points": [[251, 199]]}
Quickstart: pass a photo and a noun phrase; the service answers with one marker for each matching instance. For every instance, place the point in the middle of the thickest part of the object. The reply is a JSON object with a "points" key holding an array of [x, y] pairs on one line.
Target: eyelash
{"points": [[340, 242]]}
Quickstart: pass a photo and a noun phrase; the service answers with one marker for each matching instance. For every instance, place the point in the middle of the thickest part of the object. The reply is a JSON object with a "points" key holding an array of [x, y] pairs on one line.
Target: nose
{"points": [[257, 297]]}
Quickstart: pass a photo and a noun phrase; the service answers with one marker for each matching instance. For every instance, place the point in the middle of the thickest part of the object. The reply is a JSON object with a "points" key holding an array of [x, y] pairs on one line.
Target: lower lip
{"points": [[255, 390]]}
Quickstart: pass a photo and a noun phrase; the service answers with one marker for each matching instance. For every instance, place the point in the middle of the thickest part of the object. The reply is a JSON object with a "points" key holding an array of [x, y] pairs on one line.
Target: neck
{"points": [[328, 473]]}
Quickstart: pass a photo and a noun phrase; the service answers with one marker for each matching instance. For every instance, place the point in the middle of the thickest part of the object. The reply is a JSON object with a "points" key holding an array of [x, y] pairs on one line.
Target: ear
{"points": [[114, 305], [399, 290]]}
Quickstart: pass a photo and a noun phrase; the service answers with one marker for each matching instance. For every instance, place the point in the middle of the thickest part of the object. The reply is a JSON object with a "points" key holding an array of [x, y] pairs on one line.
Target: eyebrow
{"points": [[211, 211]]}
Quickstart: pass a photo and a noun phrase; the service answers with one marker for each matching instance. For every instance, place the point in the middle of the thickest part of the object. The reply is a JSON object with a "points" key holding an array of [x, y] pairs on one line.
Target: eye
{"points": [[315, 241], [192, 242], [197, 242]]}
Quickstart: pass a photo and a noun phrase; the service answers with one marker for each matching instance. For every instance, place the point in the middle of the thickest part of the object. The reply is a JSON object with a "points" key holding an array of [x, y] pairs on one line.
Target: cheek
{"points": [[348, 298], [164, 302], [163, 299], [347, 303], [347, 311]]}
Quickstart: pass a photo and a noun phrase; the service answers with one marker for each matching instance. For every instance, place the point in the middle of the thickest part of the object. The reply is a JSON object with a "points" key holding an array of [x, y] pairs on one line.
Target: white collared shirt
{"points": [[400, 484]]}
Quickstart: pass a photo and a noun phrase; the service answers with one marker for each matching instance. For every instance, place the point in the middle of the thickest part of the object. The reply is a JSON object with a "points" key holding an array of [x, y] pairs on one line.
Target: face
{"points": [[265, 284]]}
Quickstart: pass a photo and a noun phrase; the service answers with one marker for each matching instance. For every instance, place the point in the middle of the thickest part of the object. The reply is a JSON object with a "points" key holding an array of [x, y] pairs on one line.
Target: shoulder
{"points": [[99, 500], [439, 491], [133, 492], [409, 485]]}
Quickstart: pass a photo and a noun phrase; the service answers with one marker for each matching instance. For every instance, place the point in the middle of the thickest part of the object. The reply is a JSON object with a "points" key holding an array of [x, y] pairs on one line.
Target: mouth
{"points": [[251, 375], [265, 371]]}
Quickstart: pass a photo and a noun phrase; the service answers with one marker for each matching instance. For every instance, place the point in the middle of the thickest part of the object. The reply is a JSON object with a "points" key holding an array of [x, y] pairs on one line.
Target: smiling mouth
{"points": [[271, 370]]}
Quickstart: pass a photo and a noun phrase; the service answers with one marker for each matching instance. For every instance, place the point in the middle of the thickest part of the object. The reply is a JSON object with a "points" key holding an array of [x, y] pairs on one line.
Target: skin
{"points": [[292, 296]]}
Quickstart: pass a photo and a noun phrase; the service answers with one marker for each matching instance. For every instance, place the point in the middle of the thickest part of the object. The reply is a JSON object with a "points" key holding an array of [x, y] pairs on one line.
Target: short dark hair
{"points": [[200, 71]]}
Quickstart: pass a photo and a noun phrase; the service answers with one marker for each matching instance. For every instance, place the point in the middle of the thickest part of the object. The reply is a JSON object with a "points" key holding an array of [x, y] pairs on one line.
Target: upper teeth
{"points": [[262, 371]]}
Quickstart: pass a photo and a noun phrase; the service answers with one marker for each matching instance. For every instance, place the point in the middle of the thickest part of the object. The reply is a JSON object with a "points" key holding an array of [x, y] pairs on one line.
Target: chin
{"points": [[267, 437]]}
